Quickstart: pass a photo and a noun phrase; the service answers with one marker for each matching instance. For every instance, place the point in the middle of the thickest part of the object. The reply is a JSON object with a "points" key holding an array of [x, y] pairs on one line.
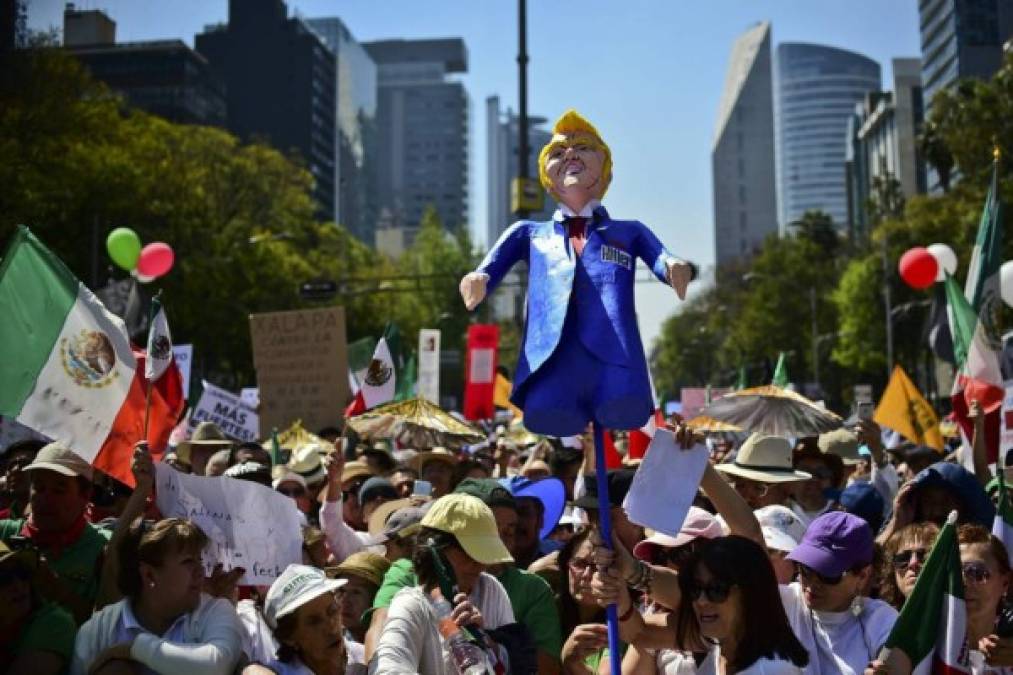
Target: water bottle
{"points": [[468, 657]]}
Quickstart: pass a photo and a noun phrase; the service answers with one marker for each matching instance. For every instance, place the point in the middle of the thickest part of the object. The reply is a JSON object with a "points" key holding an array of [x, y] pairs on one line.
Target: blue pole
{"points": [[605, 525]]}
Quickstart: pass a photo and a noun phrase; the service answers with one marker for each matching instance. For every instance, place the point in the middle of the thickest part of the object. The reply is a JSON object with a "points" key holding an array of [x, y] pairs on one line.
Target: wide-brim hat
{"points": [[550, 491], [765, 459], [207, 434], [473, 525], [437, 454], [841, 442], [401, 518], [306, 462], [369, 567]]}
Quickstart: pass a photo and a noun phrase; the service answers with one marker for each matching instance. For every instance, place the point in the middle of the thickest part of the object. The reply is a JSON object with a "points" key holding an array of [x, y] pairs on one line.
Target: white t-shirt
{"points": [[674, 662], [979, 667], [709, 666], [838, 642]]}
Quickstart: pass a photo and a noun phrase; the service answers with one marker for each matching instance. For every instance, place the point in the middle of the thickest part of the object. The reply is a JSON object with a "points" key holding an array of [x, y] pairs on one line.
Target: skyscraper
{"points": [[422, 131], [816, 89], [280, 86], [356, 127], [742, 160]]}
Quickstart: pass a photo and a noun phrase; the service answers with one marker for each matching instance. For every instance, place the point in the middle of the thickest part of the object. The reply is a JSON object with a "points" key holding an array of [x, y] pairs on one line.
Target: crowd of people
{"points": [[796, 557]]}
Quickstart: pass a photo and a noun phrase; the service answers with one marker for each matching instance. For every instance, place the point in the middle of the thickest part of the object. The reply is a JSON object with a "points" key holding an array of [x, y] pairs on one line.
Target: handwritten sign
{"points": [[226, 410], [249, 525], [183, 354], [302, 366]]}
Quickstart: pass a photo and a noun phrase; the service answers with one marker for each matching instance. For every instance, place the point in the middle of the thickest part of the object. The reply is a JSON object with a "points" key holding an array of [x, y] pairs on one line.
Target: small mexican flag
{"points": [[1002, 526], [66, 363], [780, 378], [379, 385], [932, 626]]}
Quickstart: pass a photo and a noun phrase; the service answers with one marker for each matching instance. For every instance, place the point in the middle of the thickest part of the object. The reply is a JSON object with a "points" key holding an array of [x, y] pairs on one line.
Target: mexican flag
{"points": [[1002, 526], [67, 366], [932, 626], [974, 325], [379, 384]]}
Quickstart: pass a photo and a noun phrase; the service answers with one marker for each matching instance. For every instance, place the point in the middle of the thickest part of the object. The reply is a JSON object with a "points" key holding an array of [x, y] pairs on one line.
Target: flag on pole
{"points": [[1002, 526], [159, 343], [932, 626], [780, 372], [905, 410], [379, 384], [66, 363]]}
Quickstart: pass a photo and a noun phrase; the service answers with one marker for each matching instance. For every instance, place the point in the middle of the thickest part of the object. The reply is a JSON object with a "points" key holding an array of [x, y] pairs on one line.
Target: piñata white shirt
{"points": [[838, 642], [709, 666]]}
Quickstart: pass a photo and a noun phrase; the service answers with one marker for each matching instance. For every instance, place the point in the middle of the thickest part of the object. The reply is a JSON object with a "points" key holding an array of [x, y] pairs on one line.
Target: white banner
{"points": [[224, 408], [1006, 423], [183, 354], [249, 525], [428, 382]]}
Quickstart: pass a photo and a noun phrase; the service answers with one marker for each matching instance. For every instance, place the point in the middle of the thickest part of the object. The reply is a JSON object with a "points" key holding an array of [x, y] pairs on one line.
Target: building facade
{"points": [[422, 131], [815, 91], [742, 158], [356, 128], [881, 143], [280, 86]]}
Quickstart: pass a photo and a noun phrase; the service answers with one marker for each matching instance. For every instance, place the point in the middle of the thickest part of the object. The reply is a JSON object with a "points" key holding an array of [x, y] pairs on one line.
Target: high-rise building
{"points": [[13, 24], [882, 143], [163, 77], [742, 159], [280, 86], [422, 131], [816, 88], [502, 141], [356, 127]]}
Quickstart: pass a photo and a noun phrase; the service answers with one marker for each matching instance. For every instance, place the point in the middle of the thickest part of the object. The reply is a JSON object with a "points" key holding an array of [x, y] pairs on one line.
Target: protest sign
{"points": [[429, 365], [183, 354], [250, 396], [249, 525], [655, 500], [480, 371], [302, 367], [1006, 423], [224, 408]]}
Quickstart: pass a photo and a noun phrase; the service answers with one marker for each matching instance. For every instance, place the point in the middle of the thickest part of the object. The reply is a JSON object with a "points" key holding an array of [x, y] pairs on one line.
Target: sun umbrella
{"points": [[296, 436], [709, 425], [772, 410], [415, 423]]}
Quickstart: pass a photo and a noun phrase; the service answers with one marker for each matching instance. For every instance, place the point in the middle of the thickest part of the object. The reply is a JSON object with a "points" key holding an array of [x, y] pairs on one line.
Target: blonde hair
{"points": [[572, 122]]}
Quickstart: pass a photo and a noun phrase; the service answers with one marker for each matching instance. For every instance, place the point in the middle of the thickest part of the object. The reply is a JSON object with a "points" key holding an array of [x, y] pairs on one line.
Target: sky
{"points": [[648, 73]]}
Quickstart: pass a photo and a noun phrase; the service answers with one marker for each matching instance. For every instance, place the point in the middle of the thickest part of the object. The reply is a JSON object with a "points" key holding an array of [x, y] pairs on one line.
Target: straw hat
{"points": [[206, 434], [437, 454], [369, 567], [306, 462], [766, 459]]}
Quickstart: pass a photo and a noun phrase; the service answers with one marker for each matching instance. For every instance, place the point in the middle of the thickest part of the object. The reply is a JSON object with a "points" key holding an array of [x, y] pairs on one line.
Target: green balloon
{"points": [[124, 247]]}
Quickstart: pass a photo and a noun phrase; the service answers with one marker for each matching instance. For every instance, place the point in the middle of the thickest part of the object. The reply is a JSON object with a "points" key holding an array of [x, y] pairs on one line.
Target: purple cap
{"points": [[834, 543]]}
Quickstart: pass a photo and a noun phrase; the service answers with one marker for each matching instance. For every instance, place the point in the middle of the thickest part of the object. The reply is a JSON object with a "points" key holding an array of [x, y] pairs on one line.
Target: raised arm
{"points": [[729, 504]]}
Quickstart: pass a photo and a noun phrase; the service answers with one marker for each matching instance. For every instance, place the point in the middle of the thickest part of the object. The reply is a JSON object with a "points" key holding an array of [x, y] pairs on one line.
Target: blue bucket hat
{"points": [[549, 491]]}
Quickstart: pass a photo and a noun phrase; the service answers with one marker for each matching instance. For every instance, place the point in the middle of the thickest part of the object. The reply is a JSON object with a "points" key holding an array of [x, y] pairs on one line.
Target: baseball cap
{"points": [[296, 586], [489, 490], [549, 491], [62, 460], [400, 518], [863, 500], [834, 543], [619, 482], [472, 524], [698, 524], [377, 487], [782, 528], [367, 566]]}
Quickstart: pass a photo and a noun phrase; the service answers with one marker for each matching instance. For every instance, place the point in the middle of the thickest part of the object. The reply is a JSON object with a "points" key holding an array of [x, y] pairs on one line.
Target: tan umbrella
{"points": [[415, 423], [518, 434], [296, 436], [709, 425], [774, 411]]}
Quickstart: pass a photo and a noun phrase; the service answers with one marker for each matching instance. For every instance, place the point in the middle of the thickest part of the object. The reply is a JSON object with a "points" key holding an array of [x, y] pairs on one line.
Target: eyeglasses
{"points": [[761, 489], [580, 565], [715, 592], [811, 574], [903, 559], [976, 572]]}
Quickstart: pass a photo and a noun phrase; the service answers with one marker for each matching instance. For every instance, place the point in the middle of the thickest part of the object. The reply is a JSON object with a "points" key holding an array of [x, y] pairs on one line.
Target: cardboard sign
{"points": [[224, 408], [428, 382], [302, 367], [249, 525], [183, 354]]}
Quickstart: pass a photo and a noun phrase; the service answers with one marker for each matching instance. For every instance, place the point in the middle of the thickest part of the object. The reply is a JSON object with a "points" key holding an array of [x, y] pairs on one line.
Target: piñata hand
{"points": [[679, 273], [473, 287]]}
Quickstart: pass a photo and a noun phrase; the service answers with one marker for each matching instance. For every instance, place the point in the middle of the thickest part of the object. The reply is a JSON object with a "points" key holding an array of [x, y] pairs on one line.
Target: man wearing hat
{"points": [[540, 504], [394, 524], [762, 470], [363, 573], [379, 459], [373, 493], [437, 467], [206, 440], [71, 546], [307, 461], [343, 483]]}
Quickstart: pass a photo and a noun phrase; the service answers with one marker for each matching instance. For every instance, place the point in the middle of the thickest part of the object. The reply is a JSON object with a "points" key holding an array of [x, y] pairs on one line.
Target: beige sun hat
{"points": [[437, 454], [843, 443], [766, 459], [207, 434]]}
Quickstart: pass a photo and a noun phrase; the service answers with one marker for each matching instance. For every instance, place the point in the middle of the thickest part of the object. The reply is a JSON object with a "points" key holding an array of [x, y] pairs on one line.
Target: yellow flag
{"points": [[905, 410], [501, 396]]}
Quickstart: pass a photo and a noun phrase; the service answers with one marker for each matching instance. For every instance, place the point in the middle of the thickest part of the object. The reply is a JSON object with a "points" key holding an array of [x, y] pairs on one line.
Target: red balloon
{"points": [[918, 267], [156, 259]]}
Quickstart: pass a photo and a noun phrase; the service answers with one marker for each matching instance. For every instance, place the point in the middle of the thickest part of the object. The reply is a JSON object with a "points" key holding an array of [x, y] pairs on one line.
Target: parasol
{"points": [[709, 425], [296, 436], [518, 435], [772, 410], [415, 423]]}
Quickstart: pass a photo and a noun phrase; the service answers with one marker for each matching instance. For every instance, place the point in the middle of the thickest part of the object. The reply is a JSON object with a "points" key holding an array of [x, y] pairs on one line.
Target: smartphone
{"points": [[422, 488], [864, 410]]}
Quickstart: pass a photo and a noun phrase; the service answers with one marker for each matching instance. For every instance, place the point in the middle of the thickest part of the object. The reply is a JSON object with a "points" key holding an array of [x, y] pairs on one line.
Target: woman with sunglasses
{"points": [[903, 557], [727, 607], [986, 568]]}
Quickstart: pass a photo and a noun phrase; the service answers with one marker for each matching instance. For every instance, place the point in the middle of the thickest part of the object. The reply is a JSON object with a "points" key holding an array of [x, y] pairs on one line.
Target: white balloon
{"points": [[946, 258], [144, 278], [1006, 282]]}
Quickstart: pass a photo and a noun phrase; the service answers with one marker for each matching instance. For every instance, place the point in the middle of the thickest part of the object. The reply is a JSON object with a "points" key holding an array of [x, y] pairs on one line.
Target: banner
{"points": [[904, 409], [302, 367], [184, 360], [480, 371], [428, 384], [249, 525], [224, 408]]}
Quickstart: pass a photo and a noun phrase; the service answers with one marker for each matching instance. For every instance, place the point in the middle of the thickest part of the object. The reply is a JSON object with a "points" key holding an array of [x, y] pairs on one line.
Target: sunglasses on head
{"points": [[903, 559], [715, 592], [811, 574], [976, 572]]}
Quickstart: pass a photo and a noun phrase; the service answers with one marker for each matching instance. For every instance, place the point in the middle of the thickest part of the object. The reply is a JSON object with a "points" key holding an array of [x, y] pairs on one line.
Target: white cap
{"points": [[782, 528], [296, 586], [288, 477]]}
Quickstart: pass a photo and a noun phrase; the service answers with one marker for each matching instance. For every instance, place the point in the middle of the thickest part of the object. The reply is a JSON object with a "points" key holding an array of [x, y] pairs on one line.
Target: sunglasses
{"points": [[903, 559], [976, 572], [811, 574], [715, 592]]}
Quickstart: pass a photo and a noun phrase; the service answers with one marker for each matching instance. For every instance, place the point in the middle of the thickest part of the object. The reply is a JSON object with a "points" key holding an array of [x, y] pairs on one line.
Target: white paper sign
{"points": [[183, 355], [1006, 423], [665, 485], [428, 382], [481, 366], [224, 408], [249, 525]]}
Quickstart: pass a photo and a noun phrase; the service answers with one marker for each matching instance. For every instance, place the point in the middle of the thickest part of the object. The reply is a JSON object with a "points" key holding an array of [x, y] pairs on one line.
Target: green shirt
{"points": [[530, 598], [78, 564], [50, 628]]}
